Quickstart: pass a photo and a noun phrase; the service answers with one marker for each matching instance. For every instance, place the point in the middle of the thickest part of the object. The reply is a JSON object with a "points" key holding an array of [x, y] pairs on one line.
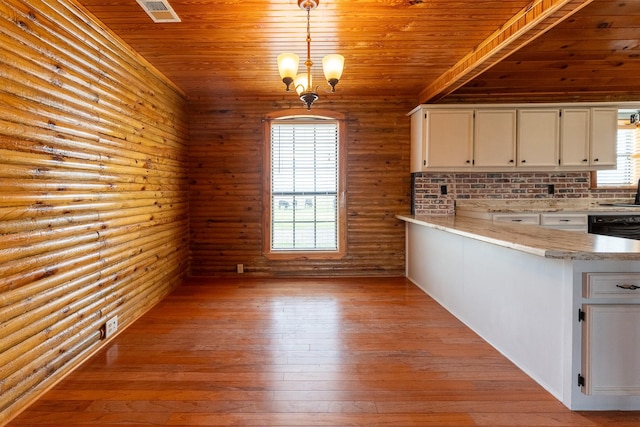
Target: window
{"points": [[627, 171], [305, 207]]}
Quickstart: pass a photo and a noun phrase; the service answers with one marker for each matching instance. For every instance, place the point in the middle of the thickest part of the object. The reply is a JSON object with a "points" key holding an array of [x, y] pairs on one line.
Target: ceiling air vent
{"points": [[159, 10]]}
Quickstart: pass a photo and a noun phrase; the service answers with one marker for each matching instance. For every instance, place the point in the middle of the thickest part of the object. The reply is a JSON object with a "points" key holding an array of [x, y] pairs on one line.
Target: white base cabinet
{"points": [[569, 221], [527, 307], [565, 221], [611, 343], [523, 218], [610, 318]]}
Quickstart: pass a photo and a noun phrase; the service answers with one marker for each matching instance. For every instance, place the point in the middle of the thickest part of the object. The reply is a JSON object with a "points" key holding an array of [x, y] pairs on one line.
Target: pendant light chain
{"points": [[332, 65], [308, 63]]}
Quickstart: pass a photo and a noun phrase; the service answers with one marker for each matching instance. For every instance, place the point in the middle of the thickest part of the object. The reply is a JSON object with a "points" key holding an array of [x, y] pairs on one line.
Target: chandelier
{"points": [[288, 65]]}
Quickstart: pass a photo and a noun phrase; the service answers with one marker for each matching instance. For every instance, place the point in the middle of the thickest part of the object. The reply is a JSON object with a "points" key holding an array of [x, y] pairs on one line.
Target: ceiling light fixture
{"points": [[332, 65]]}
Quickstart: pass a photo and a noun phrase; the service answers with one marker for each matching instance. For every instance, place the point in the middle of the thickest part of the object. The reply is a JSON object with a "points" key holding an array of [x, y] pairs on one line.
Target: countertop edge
{"points": [[532, 237], [475, 236]]}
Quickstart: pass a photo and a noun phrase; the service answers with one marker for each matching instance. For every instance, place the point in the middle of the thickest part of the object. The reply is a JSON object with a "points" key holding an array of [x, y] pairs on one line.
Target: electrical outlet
{"points": [[110, 327], [240, 268]]}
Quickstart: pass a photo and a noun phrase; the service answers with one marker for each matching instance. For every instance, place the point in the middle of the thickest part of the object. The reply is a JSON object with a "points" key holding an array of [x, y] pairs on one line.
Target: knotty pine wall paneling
{"points": [[225, 175], [93, 191]]}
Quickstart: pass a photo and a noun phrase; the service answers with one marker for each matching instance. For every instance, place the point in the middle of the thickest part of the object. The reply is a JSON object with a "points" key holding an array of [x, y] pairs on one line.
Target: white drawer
{"points": [[563, 219], [611, 285], [517, 218]]}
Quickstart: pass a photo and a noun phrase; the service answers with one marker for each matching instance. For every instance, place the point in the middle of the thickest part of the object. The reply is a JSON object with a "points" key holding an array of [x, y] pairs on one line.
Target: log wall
{"points": [[225, 171], [93, 191]]}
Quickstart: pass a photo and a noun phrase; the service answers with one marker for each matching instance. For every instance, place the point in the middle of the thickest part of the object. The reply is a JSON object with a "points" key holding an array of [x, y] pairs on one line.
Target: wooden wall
{"points": [[93, 191], [225, 171]]}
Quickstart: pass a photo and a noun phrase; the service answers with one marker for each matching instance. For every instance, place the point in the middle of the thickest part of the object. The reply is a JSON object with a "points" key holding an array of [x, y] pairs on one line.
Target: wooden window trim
{"points": [[593, 176], [593, 184], [266, 188]]}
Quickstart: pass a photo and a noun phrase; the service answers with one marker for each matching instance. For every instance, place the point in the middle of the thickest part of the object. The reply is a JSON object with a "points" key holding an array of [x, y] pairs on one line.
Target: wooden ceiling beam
{"points": [[529, 23]]}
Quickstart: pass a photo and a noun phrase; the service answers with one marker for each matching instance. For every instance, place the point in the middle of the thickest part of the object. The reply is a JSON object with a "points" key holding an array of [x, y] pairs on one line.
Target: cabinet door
{"points": [[574, 136], [418, 143], [538, 137], [604, 136], [494, 138], [611, 345], [449, 138]]}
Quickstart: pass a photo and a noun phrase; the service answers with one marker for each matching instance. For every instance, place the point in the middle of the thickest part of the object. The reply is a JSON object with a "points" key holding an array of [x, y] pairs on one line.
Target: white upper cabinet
{"points": [[538, 137], [441, 139], [589, 137], [455, 129], [574, 137], [604, 130], [418, 141], [495, 138]]}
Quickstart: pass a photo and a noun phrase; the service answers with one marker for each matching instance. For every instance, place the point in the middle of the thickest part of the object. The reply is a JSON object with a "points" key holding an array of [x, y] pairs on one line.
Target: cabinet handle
{"points": [[585, 160], [516, 220], [596, 160], [468, 161], [629, 287], [511, 161], [565, 220], [524, 161]]}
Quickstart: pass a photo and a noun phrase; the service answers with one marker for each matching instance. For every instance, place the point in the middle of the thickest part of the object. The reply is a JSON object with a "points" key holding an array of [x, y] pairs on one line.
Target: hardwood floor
{"points": [[302, 352]]}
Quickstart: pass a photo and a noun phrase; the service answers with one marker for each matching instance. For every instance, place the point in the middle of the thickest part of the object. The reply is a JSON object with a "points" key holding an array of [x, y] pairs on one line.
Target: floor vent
{"points": [[159, 10]]}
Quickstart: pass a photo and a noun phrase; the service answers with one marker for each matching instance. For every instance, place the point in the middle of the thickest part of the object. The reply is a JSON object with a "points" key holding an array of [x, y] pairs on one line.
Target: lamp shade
{"points": [[303, 83], [332, 66], [287, 65]]}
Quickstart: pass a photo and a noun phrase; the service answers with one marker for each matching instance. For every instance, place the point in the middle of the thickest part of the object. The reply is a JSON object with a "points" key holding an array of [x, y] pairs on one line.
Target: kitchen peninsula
{"points": [[564, 306]]}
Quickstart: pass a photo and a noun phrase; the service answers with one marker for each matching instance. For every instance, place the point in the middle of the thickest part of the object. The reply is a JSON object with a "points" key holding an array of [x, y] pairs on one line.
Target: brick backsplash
{"points": [[428, 200]]}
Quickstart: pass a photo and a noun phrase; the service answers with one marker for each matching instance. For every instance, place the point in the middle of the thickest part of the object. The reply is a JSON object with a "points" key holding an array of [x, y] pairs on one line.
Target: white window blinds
{"points": [[304, 185], [627, 171]]}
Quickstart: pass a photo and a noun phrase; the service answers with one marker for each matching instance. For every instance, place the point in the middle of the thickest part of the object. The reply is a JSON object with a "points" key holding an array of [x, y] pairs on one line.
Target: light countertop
{"points": [[548, 243]]}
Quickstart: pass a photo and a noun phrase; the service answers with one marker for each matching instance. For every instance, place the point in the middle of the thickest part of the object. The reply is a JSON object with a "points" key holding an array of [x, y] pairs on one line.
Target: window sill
{"points": [[615, 188], [303, 255]]}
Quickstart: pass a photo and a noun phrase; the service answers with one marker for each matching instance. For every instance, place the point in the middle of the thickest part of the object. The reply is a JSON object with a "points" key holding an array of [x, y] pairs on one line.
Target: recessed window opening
{"points": [[627, 170], [304, 185]]}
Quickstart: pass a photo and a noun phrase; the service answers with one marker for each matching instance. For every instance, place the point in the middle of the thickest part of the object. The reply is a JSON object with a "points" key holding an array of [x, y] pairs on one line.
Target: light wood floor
{"points": [[312, 352]]}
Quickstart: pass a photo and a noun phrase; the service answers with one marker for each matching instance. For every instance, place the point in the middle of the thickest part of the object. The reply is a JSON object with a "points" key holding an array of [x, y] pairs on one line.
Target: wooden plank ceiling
{"points": [[429, 50]]}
